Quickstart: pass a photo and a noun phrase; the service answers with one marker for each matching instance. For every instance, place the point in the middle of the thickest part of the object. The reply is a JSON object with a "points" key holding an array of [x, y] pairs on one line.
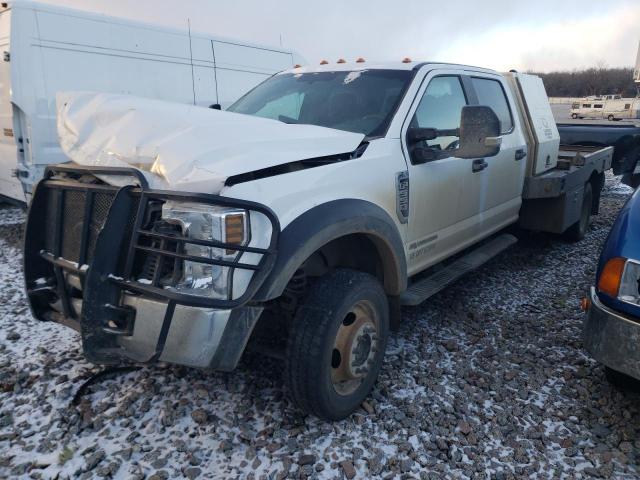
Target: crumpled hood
{"points": [[184, 147]]}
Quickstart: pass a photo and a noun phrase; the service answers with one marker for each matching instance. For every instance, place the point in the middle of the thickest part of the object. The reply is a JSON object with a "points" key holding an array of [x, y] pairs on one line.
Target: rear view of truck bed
{"points": [[552, 201]]}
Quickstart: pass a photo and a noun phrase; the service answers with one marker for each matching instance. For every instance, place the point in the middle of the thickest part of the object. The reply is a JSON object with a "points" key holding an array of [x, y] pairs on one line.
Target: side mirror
{"points": [[417, 135], [479, 132]]}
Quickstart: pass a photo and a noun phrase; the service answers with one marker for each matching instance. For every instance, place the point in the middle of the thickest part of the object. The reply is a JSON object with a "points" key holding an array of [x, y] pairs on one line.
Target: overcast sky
{"points": [[538, 35]]}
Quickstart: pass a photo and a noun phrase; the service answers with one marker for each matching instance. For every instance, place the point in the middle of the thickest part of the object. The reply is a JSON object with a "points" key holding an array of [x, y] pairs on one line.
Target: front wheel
{"points": [[611, 118], [336, 344], [574, 115]]}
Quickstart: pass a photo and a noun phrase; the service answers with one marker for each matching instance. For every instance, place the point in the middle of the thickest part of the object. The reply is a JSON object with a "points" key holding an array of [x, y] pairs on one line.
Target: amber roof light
{"points": [[360, 60], [342, 60], [324, 62], [406, 60]]}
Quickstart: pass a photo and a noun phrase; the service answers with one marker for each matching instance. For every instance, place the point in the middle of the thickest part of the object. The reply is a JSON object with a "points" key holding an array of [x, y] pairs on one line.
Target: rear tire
{"points": [[336, 344], [574, 115], [611, 118], [578, 230], [622, 381]]}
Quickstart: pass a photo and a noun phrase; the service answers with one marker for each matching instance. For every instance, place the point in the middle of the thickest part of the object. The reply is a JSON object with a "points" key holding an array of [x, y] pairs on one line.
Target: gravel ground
{"points": [[486, 380]]}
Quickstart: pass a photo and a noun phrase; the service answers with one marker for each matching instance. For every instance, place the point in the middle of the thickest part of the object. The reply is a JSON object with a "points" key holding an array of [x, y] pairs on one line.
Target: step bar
{"points": [[424, 288]]}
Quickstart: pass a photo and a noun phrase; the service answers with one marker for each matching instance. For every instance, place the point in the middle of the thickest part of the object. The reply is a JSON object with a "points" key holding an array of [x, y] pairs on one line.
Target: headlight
{"points": [[620, 278], [630, 283], [208, 223]]}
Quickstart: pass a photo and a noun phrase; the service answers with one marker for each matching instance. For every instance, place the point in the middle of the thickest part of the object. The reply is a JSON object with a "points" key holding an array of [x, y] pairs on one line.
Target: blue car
{"points": [[612, 326]]}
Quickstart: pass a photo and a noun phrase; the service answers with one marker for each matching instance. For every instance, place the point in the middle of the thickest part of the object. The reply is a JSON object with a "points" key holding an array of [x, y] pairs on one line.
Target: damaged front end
{"points": [[146, 275]]}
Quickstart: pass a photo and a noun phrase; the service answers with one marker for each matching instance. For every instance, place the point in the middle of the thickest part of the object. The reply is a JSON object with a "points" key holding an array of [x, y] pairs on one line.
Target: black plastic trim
{"points": [[295, 166], [329, 221]]}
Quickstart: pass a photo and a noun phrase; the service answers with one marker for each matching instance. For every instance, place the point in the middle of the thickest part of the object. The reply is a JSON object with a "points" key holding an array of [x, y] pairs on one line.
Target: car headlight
{"points": [[620, 278], [630, 283], [208, 223]]}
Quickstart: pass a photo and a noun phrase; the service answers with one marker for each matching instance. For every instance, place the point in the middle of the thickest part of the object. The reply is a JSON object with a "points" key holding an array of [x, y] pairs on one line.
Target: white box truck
{"points": [[303, 216], [46, 49]]}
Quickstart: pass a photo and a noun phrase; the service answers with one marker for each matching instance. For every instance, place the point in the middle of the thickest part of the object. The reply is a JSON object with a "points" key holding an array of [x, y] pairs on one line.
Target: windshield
{"points": [[361, 101]]}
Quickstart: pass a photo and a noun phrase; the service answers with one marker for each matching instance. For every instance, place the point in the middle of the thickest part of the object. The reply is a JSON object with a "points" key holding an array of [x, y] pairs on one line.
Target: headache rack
{"points": [[86, 240]]}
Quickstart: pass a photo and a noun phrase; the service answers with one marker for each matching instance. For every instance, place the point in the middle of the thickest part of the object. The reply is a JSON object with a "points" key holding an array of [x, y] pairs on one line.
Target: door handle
{"points": [[520, 154], [479, 165]]}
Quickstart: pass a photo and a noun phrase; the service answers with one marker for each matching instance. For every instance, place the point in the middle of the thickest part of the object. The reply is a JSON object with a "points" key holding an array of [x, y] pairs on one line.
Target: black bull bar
{"points": [[94, 232]]}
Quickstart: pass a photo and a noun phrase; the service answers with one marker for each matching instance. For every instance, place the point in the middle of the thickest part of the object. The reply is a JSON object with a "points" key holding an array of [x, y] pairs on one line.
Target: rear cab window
{"points": [[491, 93]]}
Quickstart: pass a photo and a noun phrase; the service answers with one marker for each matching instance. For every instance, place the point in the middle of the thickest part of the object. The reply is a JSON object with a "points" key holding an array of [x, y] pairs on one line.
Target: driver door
{"points": [[439, 203]]}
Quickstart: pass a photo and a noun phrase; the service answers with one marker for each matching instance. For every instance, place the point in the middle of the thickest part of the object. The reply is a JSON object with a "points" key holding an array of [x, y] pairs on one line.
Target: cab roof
{"points": [[343, 66]]}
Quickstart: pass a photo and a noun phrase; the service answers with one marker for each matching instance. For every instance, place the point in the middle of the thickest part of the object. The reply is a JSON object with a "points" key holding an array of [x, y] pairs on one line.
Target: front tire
{"points": [[574, 116], [611, 118], [336, 344]]}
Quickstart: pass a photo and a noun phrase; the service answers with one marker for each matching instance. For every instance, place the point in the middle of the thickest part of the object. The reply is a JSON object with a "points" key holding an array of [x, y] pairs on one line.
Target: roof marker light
{"points": [[297, 65], [342, 60], [324, 62], [406, 60], [360, 60]]}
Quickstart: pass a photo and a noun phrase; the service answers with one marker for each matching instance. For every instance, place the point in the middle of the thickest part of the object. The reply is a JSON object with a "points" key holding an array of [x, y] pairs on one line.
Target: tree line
{"points": [[592, 81]]}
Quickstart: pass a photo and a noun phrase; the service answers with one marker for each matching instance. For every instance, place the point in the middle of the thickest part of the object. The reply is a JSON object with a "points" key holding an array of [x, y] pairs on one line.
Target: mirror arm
{"points": [[452, 132], [493, 141]]}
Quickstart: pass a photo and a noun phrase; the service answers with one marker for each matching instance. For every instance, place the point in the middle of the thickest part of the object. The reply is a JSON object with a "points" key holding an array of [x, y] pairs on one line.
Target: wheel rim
{"points": [[355, 348]]}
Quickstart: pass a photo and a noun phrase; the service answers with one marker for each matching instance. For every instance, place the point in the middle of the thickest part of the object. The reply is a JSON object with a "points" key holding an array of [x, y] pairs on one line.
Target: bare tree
{"points": [[599, 80]]}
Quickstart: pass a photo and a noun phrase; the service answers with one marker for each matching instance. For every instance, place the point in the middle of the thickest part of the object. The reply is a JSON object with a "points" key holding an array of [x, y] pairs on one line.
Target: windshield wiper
{"points": [[285, 119]]}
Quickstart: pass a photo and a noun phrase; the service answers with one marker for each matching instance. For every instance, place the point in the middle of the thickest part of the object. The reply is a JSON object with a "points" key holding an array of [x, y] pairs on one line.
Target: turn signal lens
{"points": [[611, 275], [585, 304], [234, 229]]}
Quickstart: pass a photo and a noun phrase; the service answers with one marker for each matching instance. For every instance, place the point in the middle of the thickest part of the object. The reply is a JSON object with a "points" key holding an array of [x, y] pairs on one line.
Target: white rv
{"points": [[611, 109], [46, 49], [622, 108]]}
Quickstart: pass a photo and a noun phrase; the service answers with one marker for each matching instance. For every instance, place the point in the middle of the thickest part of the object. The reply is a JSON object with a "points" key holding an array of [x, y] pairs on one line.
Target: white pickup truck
{"points": [[305, 215]]}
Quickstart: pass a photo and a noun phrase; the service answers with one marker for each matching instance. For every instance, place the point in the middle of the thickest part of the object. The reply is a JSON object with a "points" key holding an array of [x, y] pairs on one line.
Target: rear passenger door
{"points": [[498, 187]]}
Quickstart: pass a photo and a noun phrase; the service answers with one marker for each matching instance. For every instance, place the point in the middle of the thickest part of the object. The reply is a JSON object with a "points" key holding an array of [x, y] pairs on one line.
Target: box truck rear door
{"points": [[9, 184]]}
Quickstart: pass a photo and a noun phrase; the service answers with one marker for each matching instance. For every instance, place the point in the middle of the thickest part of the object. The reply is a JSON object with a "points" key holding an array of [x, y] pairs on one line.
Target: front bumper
{"points": [[612, 338], [84, 244]]}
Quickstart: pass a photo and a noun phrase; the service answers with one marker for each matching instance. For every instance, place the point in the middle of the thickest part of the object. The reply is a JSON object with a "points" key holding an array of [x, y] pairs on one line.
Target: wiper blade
{"points": [[285, 119]]}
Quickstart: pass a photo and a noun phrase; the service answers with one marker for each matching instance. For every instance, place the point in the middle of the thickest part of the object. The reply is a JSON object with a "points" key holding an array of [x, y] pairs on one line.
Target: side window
{"points": [[586, 105], [440, 108], [491, 94], [597, 105], [288, 106], [627, 106]]}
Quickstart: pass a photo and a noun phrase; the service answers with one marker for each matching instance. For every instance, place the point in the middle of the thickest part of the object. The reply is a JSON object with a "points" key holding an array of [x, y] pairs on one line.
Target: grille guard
{"points": [[109, 271]]}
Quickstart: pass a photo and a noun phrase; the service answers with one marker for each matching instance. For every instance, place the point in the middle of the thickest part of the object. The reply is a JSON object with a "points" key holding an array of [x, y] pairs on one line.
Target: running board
{"points": [[429, 286]]}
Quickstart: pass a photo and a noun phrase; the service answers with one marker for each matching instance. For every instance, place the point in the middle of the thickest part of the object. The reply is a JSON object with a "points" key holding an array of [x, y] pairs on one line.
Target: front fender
{"points": [[330, 221]]}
